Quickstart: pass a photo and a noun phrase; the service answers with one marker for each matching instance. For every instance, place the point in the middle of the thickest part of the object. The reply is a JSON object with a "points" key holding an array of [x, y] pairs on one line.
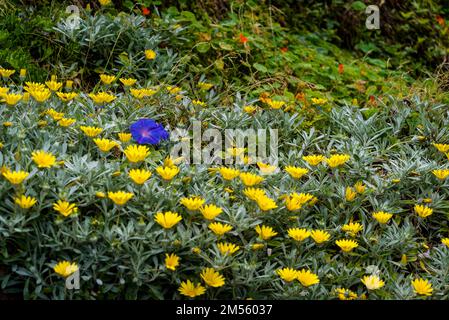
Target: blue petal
{"points": [[156, 131]]}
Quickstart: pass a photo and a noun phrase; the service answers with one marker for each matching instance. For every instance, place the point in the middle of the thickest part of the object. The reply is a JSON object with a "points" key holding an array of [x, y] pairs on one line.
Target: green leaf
{"points": [[226, 46], [371, 90], [203, 47], [188, 15], [358, 5], [219, 64], [260, 67]]}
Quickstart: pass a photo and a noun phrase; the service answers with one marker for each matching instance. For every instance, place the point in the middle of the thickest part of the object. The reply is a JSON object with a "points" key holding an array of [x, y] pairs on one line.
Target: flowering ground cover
{"points": [[351, 205]]}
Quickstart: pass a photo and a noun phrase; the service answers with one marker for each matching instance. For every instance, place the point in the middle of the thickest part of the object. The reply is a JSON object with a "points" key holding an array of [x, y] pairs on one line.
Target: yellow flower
{"points": [[227, 248], [43, 159], [167, 173], [40, 95], [100, 194], [105, 145], [257, 246], [15, 177], [55, 115], [265, 232], [1, 145], [136, 153], [11, 98], [128, 82], [25, 202], [66, 122], [359, 187], [91, 131], [298, 234], [292, 203], [173, 90], [314, 159], [191, 290], [422, 287], [249, 109], [337, 160], [441, 173], [65, 268], [102, 97], [345, 294], [219, 228], [372, 282], [167, 219], [444, 148], [445, 241], [350, 194], [254, 193], [192, 203], [205, 85], [382, 217], [65, 208], [212, 278], [139, 176], [34, 86], [235, 152], [318, 101], [107, 79], [265, 203], [352, 228], [3, 90], [196, 250], [124, 137], [320, 236], [210, 212], [307, 278], [6, 73], [105, 2], [139, 93], [54, 85], [346, 245], [171, 163], [229, 173], [250, 179], [296, 172], [171, 261], [66, 96], [149, 92], [266, 168], [7, 124], [198, 103], [69, 84], [275, 104], [287, 274], [423, 211], [120, 197], [150, 54], [301, 198]]}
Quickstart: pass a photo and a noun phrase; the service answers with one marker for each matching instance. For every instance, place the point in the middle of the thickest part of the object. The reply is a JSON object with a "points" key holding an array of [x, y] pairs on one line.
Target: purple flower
{"points": [[148, 131]]}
